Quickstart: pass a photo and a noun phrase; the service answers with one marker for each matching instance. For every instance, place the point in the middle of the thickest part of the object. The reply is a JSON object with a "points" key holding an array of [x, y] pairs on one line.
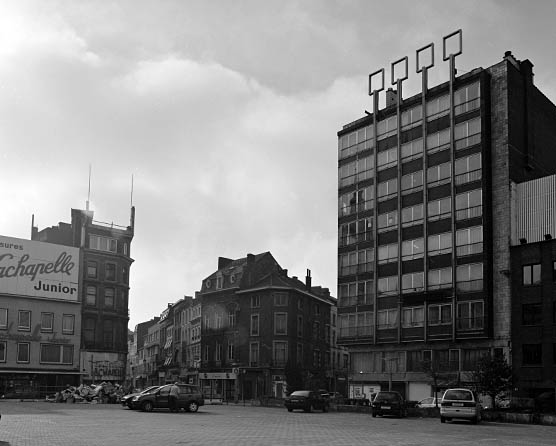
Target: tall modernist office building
{"points": [[424, 225]]}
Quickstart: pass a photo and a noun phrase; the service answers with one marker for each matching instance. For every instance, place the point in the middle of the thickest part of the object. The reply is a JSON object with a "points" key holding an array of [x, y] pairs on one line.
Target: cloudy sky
{"points": [[225, 113]]}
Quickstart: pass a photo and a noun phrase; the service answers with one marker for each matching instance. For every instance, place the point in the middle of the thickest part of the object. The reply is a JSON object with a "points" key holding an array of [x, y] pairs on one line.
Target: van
{"points": [[461, 404]]}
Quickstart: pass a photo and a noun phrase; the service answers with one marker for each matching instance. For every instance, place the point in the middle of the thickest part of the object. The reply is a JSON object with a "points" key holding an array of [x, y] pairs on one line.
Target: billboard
{"points": [[37, 269]]}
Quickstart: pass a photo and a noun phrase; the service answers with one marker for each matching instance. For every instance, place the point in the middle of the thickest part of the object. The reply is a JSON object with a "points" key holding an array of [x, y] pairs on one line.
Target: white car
{"points": [[431, 401], [461, 404]]}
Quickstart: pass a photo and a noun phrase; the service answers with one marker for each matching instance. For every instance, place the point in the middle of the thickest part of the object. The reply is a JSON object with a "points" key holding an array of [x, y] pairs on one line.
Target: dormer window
{"points": [[219, 282]]}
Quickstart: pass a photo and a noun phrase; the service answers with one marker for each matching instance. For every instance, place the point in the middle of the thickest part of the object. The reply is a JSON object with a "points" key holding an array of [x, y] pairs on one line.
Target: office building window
{"points": [[365, 230], [532, 354], [471, 315], [531, 314], [467, 133], [47, 322], [387, 221], [23, 352], [388, 253], [365, 292], [439, 174], [438, 141], [91, 296], [348, 234], [438, 107], [364, 168], [280, 323], [412, 150], [440, 314], [92, 270], [440, 278], [469, 277], [412, 182], [439, 209], [3, 318], [365, 260], [254, 325], [110, 271], [68, 323], [413, 317], [439, 244], [468, 169], [347, 294], [412, 117], [103, 243], [387, 319], [56, 354], [347, 263], [412, 215], [387, 127], [347, 174], [532, 274], [413, 282], [387, 285], [387, 189], [413, 249], [24, 320], [469, 241], [469, 204], [387, 158], [467, 98]]}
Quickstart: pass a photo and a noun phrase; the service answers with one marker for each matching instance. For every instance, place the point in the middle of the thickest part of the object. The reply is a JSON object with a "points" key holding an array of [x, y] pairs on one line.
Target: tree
{"points": [[493, 376]]}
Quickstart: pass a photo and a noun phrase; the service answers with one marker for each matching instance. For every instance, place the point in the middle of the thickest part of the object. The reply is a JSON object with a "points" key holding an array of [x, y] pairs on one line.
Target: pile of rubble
{"points": [[105, 392]]}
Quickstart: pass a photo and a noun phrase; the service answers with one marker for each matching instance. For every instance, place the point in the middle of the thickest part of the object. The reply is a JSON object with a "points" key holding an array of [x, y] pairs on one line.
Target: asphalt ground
{"points": [[55, 424]]}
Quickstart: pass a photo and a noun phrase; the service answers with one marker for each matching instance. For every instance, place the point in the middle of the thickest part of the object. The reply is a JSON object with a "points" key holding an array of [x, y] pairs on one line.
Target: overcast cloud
{"points": [[225, 113]]}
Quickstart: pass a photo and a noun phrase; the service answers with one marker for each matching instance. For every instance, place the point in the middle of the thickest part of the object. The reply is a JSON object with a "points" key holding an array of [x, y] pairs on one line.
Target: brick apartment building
{"points": [[425, 263], [105, 261]]}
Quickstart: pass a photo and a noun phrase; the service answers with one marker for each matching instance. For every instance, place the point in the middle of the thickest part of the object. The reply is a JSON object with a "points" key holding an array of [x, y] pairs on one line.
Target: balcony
{"points": [[469, 177], [471, 323], [469, 249], [362, 331], [469, 286]]}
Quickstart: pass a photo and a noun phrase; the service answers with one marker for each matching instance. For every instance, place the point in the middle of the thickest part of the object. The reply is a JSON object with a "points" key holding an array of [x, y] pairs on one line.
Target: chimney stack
{"points": [[391, 97], [308, 280]]}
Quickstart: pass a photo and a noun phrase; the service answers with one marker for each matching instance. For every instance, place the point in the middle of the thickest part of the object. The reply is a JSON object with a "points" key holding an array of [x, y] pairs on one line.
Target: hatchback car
{"points": [[190, 398], [431, 401], [461, 404], [306, 400], [126, 399], [389, 403]]}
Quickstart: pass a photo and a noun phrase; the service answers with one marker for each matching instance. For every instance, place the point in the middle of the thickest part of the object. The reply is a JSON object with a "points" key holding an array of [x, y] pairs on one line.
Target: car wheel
{"points": [[290, 410], [192, 407], [147, 406], [374, 414], [442, 419]]}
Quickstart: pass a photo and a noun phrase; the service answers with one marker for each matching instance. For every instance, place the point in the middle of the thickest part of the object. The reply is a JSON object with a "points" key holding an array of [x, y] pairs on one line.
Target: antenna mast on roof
{"points": [[131, 190], [89, 191]]}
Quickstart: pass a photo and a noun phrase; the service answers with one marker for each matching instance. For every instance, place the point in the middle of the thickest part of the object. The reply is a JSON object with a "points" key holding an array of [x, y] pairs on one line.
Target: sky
{"points": [[225, 113]]}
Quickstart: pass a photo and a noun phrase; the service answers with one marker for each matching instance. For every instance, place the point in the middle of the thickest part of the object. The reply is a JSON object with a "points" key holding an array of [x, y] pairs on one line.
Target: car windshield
{"points": [[300, 393], [384, 396], [149, 389], [458, 394]]}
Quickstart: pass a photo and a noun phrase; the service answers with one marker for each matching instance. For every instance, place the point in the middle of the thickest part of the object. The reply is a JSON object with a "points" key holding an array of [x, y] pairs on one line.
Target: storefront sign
{"points": [[217, 375], [37, 269]]}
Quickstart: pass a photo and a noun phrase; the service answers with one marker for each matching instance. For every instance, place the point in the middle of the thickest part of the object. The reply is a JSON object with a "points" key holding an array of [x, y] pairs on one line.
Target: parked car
{"points": [[190, 398], [126, 399], [461, 404], [389, 403], [306, 400], [430, 401]]}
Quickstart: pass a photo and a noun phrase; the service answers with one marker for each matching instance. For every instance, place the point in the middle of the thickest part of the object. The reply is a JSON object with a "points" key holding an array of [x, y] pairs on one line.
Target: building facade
{"points": [[256, 324], [424, 225], [40, 317], [104, 287]]}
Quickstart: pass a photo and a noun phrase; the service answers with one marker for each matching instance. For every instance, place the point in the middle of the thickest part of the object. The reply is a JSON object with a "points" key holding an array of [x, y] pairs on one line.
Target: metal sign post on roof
{"points": [[452, 56], [373, 91], [398, 80], [423, 68]]}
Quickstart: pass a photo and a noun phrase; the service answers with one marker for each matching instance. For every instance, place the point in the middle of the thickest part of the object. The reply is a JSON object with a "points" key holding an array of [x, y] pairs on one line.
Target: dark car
{"points": [[190, 399], [389, 403], [306, 400], [126, 399]]}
